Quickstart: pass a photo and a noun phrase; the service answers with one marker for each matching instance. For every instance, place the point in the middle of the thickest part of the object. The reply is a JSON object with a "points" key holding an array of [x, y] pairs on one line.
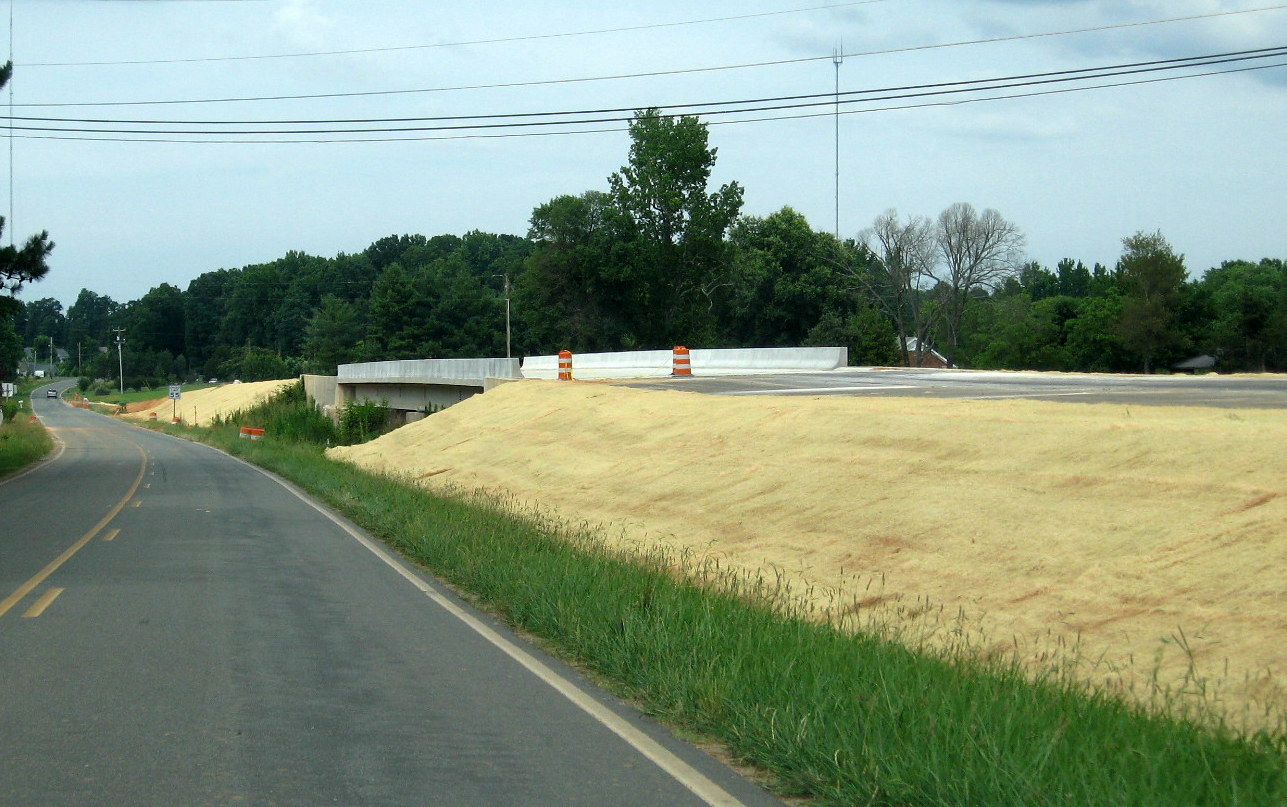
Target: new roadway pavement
{"points": [[1253, 391], [179, 628]]}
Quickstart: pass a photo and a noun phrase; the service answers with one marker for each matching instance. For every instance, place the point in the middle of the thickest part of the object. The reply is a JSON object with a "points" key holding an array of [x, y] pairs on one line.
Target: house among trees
{"points": [[924, 356]]}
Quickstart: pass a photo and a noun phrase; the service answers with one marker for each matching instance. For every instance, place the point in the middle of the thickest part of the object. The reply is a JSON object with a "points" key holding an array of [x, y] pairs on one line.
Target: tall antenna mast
{"points": [[837, 58], [11, 223]]}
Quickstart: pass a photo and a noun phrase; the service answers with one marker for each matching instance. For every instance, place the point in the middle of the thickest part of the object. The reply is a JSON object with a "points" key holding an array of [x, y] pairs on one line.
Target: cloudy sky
{"points": [[210, 181]]}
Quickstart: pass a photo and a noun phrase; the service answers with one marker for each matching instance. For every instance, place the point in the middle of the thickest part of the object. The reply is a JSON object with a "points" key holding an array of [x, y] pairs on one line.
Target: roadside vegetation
{"points": [[21, 443], [837, 715]]}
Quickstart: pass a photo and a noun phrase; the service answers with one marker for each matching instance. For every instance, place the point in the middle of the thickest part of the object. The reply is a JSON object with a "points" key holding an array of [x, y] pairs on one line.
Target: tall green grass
{"points": [[287, 415], [839, 717], [22, 443]]}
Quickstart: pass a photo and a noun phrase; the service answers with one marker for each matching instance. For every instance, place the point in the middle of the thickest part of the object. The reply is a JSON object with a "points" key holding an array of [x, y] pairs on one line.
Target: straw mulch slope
{"points": [[200, 407], [1141, 530]]}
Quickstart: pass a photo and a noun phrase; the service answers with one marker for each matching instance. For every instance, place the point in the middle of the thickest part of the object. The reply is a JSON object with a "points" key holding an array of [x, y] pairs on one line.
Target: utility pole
{"points": [[505, 277], [120, 361], [838, 56]]}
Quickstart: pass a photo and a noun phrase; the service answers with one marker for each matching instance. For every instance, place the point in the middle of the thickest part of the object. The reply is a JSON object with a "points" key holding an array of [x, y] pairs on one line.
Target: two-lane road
{"points": [[179, 628]]}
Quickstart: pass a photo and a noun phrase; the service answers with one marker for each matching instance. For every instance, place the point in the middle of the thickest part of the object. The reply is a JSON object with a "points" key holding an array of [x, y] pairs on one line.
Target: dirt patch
{"points": [[147, 406], [1151, 539], [200, 407]]}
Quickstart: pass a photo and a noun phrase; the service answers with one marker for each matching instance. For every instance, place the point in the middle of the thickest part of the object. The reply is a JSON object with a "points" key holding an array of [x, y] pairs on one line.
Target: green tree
{"points": [[333, 333], [785, 279], [680, 260], [1094, 343], [89, 318], [1248, 311], [154, 322], [43, 317], [867, 334], [10, 350], [1151, 275], [204, 305], [573, 291]]}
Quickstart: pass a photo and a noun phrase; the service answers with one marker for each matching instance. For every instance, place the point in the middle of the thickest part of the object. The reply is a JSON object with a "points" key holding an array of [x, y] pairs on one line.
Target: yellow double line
{"points": [[26, 588]]}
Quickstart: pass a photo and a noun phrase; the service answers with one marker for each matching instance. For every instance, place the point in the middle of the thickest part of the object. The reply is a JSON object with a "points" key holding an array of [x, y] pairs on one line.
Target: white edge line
{"points": [[1032, 395], [862, 388], [688, 776]]}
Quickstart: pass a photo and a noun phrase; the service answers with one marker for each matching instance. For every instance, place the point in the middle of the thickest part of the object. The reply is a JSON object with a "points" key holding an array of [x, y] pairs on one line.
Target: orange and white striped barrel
{"points": [[681, 366], [565, 365], [151, 415]]}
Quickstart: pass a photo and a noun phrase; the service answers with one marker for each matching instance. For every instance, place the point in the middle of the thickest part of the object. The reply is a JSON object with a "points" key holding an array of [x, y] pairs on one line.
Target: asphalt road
{"points": [[1152, 390], [179, 628]]}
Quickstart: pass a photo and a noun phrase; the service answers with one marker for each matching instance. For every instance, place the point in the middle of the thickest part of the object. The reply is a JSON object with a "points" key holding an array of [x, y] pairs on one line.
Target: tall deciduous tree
{"points": [[680, 260], [979, 250], [1151, 275], [900, 275]]}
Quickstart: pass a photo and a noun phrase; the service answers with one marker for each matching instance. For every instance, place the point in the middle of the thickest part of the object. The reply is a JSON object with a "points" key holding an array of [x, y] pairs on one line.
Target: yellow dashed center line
{"points": [[26, 588], [38, 607], [111, 535]]}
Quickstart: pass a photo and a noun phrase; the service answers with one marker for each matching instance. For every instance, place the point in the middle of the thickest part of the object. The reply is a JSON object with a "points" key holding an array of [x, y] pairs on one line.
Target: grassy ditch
{"points": [[841, 718], [21, 442]]}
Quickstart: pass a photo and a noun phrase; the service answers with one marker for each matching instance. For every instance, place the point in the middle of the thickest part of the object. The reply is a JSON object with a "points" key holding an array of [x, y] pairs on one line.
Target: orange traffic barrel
{"points": [[33, 419], [565, 365], [680, 365], [151, 415]]}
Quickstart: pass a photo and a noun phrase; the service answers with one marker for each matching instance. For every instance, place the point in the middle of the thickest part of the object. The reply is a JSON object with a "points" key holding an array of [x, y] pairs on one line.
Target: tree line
{"points": [[659, 258]]}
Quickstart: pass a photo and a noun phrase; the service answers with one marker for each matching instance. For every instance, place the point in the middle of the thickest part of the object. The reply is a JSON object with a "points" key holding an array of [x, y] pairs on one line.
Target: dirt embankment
{"points": [[1156, 537], [200, 407]]}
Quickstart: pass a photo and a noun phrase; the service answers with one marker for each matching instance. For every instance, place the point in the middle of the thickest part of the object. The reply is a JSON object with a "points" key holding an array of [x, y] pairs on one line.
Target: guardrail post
{"points": [[565, 365]]}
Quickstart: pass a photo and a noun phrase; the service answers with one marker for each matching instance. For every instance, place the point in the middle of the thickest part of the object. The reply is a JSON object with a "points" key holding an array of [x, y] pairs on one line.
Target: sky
{"points": [[1201, 158]]}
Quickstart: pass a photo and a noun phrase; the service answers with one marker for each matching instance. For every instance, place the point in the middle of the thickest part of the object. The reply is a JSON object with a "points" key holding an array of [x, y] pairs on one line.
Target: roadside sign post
{"points": [[176, 392]]}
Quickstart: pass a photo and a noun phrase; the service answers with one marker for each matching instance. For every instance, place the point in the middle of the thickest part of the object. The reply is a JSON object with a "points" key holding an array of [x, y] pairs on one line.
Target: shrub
{"points": [[360, 422]]}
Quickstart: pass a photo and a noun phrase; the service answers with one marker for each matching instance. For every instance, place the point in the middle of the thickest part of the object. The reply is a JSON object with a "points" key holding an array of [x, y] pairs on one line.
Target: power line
{"points": [[465, 43], [655, 73], [622, 128], [710, 109], [690, 108]]}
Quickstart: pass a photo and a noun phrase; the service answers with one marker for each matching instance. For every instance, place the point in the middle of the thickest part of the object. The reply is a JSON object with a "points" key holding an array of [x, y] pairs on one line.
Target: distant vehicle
{"points": [[213, 381], [51, 393]]}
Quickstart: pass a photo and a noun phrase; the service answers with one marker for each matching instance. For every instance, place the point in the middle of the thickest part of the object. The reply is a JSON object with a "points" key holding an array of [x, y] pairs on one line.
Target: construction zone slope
{"points": [[1145, 545], [200, 407]]}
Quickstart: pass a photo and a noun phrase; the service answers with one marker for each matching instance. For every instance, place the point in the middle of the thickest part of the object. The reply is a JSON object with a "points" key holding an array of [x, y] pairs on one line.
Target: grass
{"points": [[22, 443], [138, 396], [838, 717]]}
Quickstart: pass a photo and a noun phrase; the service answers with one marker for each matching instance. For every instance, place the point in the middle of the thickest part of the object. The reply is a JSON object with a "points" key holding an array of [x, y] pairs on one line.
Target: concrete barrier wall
{"points": [[409, 397], [322, 390], [652, 363], [466, 372]]}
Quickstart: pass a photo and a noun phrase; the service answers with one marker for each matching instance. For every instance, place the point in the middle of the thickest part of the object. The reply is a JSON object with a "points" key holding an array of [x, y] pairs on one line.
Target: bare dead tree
{"points": [[901, 273], [979, 250]]}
